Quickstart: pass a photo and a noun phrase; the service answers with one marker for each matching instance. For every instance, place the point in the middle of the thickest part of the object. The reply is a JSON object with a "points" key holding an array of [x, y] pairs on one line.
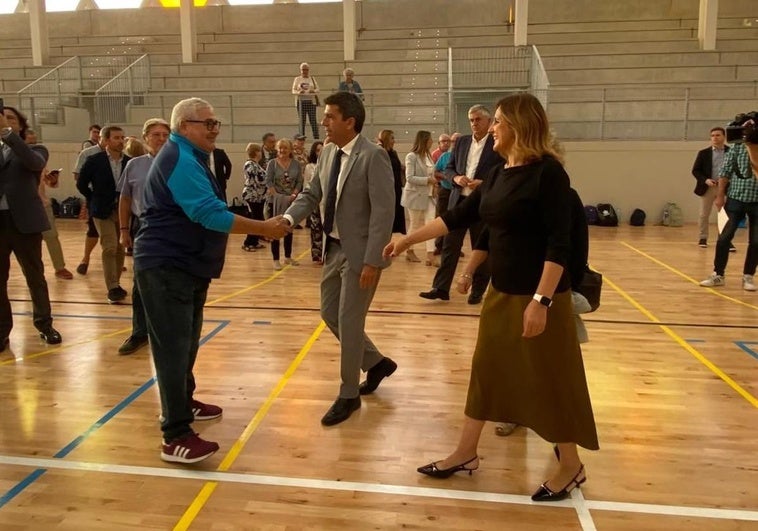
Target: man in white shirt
{"points": [[470, 163]]}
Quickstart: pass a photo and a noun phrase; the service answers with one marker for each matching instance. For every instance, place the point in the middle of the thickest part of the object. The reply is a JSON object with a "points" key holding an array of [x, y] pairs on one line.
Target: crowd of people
{"points": [[162, 197]]}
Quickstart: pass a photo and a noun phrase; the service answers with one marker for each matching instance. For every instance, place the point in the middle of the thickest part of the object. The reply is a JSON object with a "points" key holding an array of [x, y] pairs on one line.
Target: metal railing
{"points": [[69, 84], [647, 112], [44, 97], [127, 88], [538, 81], [501, 67]]}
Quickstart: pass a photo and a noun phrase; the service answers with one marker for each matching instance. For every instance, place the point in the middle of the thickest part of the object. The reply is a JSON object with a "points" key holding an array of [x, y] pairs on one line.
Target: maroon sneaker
{"points": [[188, 449], [205, 411]]}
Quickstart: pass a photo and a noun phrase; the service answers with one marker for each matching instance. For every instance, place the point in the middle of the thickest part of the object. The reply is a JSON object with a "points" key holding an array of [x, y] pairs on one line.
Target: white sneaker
{"points": [[747, 283], [277, 265], [713, 281]]}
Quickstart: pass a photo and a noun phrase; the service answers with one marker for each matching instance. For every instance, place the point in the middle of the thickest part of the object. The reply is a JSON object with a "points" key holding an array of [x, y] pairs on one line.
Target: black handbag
{"points": [[590, 287], [238, 207]]}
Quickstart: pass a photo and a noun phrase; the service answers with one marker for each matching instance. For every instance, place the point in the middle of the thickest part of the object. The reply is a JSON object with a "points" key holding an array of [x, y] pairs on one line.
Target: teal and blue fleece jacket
{"points": [[185, 222]]}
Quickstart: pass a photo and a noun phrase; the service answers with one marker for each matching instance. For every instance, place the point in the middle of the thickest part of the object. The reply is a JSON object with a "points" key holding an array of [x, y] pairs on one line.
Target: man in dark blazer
{"points": [[221, 168], [97, 182], [22, 221], [353, 186], [707, 165], [470, 163]]}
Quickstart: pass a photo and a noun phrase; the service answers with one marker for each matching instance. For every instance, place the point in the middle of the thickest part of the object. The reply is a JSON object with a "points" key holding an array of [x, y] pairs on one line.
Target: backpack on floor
{"points": [[71, 207], [590, 212], [607, 216], [638, 218], [672, 215]]}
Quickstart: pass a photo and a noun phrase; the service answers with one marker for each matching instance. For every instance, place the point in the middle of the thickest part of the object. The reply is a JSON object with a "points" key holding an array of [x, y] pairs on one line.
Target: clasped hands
{"points": [[465, 182], [276, 227]]}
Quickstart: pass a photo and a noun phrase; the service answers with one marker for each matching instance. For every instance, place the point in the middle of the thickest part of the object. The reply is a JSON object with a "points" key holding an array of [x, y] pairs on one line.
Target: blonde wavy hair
{"points": [[533, 139]]}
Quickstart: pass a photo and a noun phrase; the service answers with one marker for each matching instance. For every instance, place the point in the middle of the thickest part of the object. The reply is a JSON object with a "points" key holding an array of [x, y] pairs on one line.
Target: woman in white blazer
{"points": [[418, 193]]}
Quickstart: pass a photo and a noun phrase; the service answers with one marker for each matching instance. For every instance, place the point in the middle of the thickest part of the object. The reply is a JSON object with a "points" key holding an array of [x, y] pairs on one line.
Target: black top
{"points": [[527, 210], [398, 225]]}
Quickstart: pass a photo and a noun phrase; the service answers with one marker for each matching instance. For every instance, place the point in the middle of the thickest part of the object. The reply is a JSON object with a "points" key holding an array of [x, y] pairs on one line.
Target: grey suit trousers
{"points": [[344, 306]]}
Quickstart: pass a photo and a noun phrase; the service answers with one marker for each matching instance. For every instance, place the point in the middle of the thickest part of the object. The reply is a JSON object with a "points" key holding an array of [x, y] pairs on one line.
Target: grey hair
{"points": [[481, 109], [347, 71], [187, 110], [152, 122], [305, 65]]}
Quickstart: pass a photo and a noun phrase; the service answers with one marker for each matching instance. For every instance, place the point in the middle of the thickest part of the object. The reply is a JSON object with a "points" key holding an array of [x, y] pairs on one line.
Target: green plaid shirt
{"points": [[742, 185]]}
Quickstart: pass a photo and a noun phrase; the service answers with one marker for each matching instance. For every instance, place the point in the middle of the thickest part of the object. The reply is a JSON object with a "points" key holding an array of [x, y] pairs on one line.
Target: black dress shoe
{"points": [[376, 374], [435, 293], [444, 473], [51, 336], [474, 299], [544, 493], [132, 344], [341, 410]]}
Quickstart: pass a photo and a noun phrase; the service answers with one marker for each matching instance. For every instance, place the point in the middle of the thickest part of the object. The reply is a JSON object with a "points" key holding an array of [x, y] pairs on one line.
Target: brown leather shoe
{"points": [[64, 273]]}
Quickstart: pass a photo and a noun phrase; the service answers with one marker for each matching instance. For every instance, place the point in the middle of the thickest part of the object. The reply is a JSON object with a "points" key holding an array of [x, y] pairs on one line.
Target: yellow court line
{"points": [[62, 347], [205, 493], [686, 346], [687, 277], [254, 286]]}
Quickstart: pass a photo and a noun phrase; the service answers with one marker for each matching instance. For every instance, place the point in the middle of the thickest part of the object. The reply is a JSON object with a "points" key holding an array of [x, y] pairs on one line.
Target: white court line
{"points": [[585, 518], [576, 502]]}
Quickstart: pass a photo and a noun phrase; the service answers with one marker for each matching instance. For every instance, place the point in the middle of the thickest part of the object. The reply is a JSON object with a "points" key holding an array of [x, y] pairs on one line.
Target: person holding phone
{"points": [[22, 222]]}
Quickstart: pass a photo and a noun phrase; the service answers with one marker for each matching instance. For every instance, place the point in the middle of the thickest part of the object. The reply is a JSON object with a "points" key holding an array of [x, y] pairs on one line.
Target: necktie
{"points": [[331, 194]]}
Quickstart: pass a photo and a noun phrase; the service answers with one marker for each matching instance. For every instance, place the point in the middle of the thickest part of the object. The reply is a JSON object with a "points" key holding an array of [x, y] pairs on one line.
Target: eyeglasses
{"points": [[210, 124]]}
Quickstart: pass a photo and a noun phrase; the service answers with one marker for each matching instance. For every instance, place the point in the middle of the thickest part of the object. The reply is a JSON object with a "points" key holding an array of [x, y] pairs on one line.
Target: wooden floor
{"points": [[672, 369]]}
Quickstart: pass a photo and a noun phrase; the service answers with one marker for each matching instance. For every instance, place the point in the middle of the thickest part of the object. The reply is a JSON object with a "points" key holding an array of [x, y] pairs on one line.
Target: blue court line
{"points": [[744, 346], [31, 478]]}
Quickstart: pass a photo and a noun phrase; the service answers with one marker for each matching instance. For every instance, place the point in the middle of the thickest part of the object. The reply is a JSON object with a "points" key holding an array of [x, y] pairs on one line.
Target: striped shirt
{"points": [[742, 185]]}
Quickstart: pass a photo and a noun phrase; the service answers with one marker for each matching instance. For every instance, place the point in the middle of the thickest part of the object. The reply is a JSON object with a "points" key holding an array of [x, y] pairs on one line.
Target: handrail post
{"points": [[602, 116], [450, 102]]}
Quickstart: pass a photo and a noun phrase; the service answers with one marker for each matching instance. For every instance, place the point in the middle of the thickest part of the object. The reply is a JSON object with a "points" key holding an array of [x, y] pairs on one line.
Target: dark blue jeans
{"points": [[737, 210], [173, 301]]}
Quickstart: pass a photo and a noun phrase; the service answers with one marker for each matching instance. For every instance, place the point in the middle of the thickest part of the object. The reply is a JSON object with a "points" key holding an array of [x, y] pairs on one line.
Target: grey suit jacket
{"points": [[19, 181], [365, 202]]}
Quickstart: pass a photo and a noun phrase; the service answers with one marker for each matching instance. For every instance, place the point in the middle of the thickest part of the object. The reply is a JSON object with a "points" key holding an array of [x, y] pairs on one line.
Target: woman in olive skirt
{"points": [[527, 366]]}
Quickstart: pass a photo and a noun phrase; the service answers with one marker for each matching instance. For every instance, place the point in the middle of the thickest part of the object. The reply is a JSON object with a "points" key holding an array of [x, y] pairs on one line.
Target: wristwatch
{"points": [[545, 301]]}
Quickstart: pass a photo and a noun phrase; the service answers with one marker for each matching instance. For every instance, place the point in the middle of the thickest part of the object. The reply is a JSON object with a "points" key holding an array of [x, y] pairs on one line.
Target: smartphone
{"points": [[2, 105]]}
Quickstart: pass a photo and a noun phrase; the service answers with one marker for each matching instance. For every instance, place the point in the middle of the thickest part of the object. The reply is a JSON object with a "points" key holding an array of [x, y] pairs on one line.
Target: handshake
{"points": [[276, 227]]}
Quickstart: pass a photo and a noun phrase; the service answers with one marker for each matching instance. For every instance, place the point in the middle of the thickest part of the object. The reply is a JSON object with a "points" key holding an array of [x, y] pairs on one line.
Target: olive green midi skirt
{"points": [[537, 382]]}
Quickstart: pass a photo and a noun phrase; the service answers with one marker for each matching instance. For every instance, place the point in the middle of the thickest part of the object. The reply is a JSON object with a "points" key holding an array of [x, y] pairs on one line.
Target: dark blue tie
{"points": [[331, 193]]}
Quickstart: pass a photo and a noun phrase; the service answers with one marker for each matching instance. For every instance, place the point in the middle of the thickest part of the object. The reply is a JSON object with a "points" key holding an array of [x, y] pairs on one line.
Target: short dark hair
{"points": [[718, 128], [106, 131], [95, 126], [267, 135], [350, 106], [23, 123]]}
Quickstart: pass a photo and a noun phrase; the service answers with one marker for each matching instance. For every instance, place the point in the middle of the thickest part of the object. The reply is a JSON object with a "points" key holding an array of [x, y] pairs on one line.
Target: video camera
{"points": [[737, 132]]}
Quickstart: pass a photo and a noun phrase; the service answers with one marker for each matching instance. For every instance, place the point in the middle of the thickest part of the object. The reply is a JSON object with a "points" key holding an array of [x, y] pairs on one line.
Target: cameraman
{"points": [[738, 195]]}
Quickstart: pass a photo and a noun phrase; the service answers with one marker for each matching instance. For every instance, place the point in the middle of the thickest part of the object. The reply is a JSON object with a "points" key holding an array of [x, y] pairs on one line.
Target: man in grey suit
{"points": [[353, 186], [22, 221]]}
